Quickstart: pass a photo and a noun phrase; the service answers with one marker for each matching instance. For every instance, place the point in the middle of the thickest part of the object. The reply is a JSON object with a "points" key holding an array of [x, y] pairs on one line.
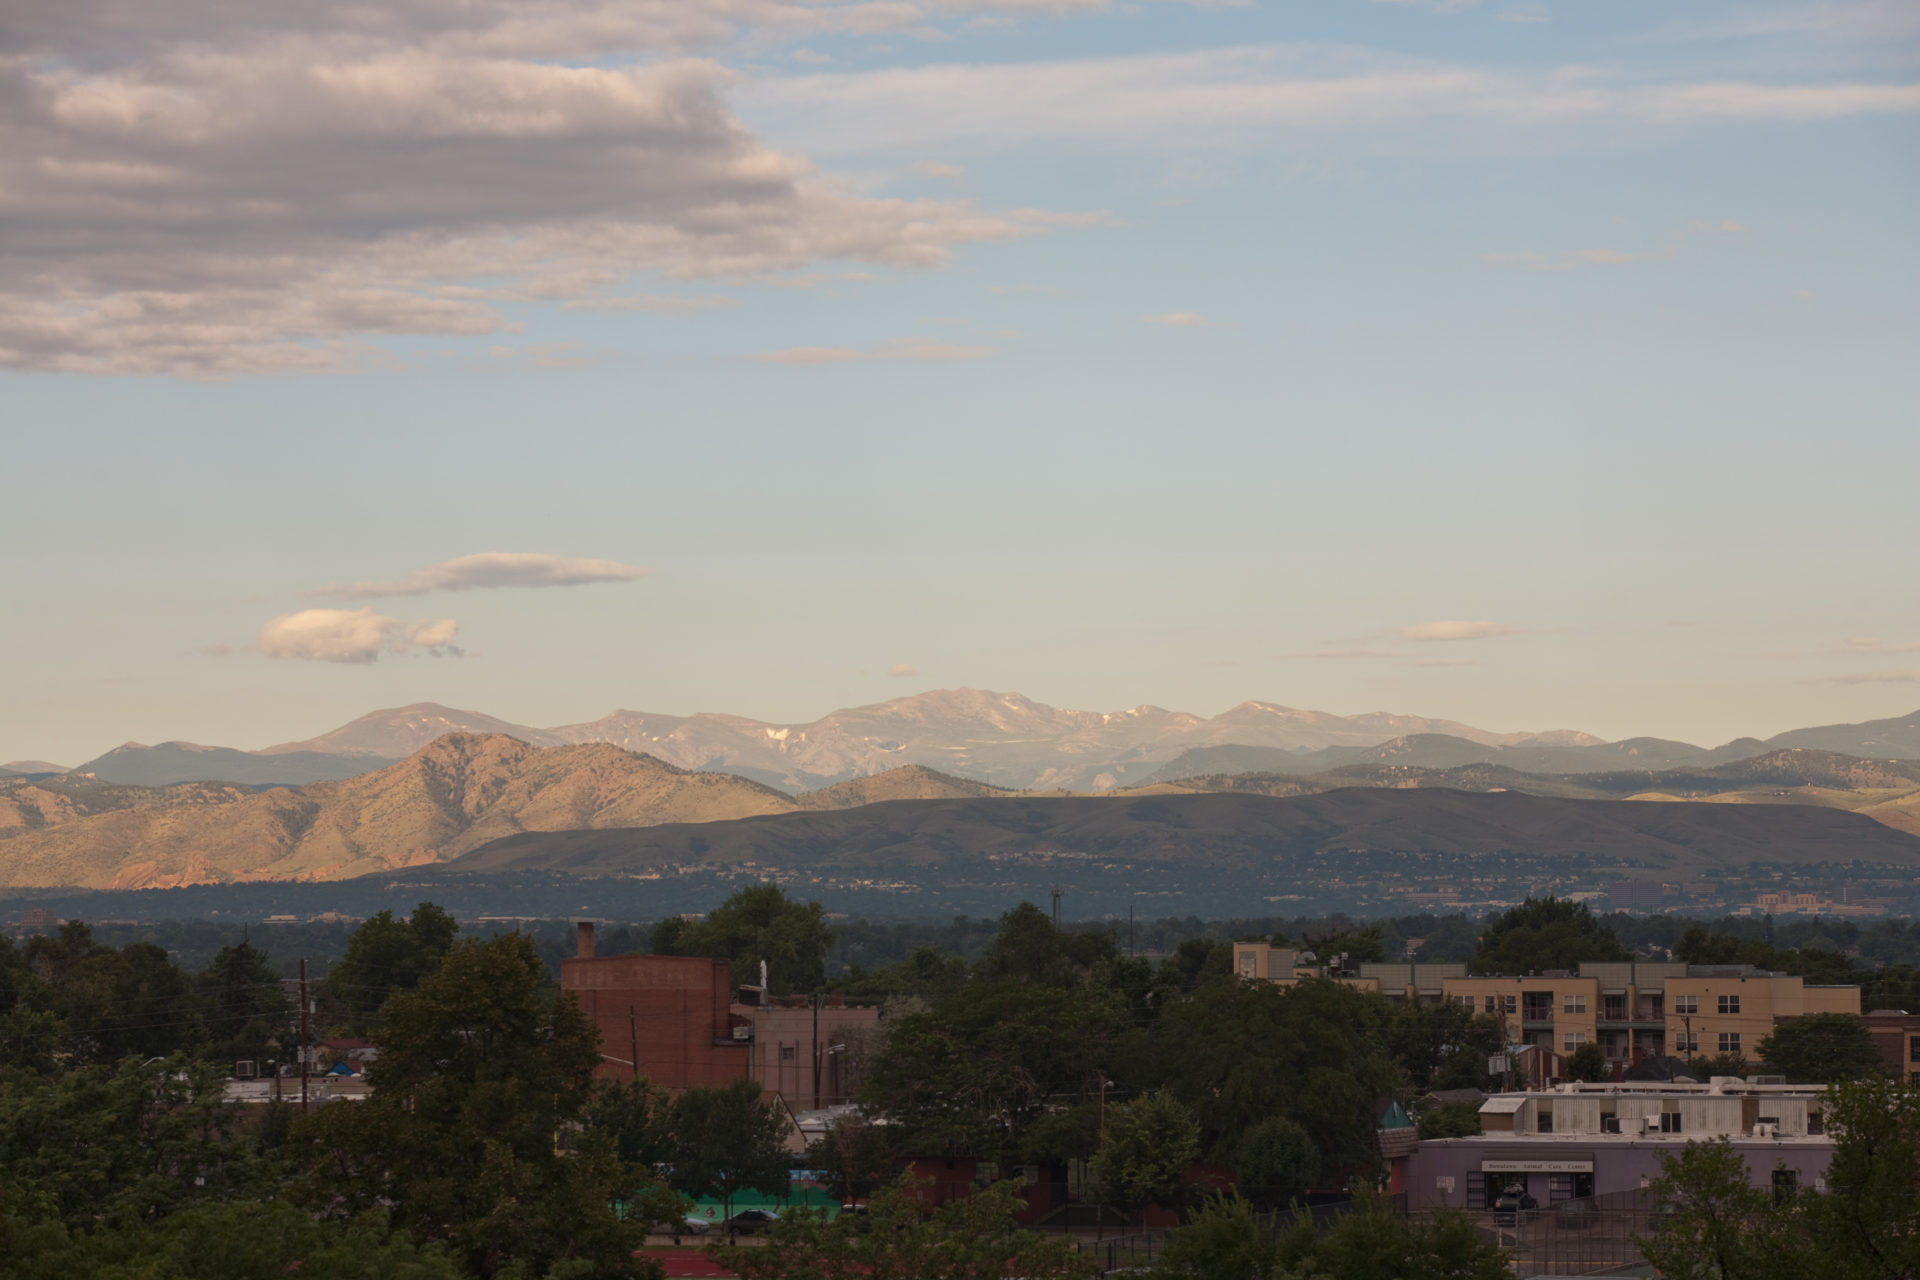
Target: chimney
{"points": [[584, 933]]}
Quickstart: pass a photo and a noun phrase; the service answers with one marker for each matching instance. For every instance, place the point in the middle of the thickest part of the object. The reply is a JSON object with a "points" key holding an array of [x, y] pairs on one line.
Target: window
{"points": [[1246, 964], [1729, 1042], [1817, 1124], [1913, 1048], [1465, 1002], [1543, 1119], [1686, 1004], [1686, 1042], [787, 1052], [1670, 1122], [1493, 1003], [1729, 1004], [1575, 1039], [1509, 1003], [1573, 1004]]}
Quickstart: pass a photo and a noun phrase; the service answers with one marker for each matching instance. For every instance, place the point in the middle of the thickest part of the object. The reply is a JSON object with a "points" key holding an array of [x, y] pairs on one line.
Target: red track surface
{"points": [[687, 1263]]}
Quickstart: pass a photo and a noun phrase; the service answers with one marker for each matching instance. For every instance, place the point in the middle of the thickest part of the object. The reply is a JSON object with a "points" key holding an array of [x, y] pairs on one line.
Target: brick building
{"points": [[668, 1018]]}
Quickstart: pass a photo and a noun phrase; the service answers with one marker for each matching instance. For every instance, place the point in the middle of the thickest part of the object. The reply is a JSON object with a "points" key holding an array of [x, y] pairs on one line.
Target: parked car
{"points": [[1576, 1214], [691, 1225], [750, 1222], [1508, 1208]]}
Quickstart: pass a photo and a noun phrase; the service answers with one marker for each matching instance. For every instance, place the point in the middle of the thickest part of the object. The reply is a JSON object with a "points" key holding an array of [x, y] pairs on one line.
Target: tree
{"points": [[1223, 1241], [1237, 1052], [248, 1013], [1150, 1141], [1870, 1213], [1544, 933], [902, 1237], [858, 1158], [1444, 1045], [1374, 1241], [1715, 1222], [1718, 1064], [1589, 1064], [385, 956], [757, 923], [724, 1141], [129, 1143], [241, 1241], [975, 1074], [1449, 1120], [1822, 1048], [483, 1069], [1029, 949], [111, 1003], [1275, 1161]]}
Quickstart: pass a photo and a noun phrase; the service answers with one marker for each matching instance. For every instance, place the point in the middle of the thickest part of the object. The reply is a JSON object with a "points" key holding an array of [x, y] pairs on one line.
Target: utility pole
{"points": [[305, 1051], [1133, 948], [1058, 893], [816, 1051], [633, 1038]]}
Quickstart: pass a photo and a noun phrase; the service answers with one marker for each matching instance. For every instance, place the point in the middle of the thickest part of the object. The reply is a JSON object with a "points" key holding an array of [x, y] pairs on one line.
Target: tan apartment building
{"points": [[1631, 1009]]}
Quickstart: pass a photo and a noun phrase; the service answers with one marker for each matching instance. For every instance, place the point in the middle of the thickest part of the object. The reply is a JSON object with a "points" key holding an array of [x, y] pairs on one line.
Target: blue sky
{"points": [[1108, 353]]}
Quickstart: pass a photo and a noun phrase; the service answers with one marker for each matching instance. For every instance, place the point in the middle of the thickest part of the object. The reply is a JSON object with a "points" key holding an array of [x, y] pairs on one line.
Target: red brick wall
{"points": [[676, 1006]]}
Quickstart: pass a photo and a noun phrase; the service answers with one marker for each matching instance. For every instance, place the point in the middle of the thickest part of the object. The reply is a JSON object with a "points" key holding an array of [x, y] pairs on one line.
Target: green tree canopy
{"points": [[1589, 1064], [757, 923], [248, 1013], [1150, 1142], [387, 955], [1274, 1161], [483, 1070], [1822, 1048], [724, 1141], [1544, 933]]}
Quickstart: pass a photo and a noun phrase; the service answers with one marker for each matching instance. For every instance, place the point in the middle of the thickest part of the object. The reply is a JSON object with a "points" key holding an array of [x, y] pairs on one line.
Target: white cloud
{"points": [[491, 569], [205, 190], [1459, 629], [902, 669], [354, 636], [1180, 319], [898, 349], [935, 169]]}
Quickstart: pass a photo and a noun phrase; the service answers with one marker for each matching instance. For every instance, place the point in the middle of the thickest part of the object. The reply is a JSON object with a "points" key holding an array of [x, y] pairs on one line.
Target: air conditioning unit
{"points": [[743, 1032], [243, 1071], [1653, 1124]]}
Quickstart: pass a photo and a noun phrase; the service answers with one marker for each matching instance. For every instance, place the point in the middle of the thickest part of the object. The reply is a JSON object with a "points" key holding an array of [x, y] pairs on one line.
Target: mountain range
{"points": [[1002, 739], [464, 791]]}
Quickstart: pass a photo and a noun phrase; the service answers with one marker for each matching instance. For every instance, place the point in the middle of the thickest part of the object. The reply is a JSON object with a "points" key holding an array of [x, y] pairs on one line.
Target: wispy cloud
{"points": [[355, 636], [1181, 319], [1877, 677], [1339, 655], [1460, 629], [899, 349], [1873, 645], [491, 569], [936, 169], [902, 670]]}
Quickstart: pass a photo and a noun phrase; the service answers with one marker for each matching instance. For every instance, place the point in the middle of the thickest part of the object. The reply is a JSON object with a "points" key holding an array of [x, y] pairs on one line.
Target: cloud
{"points": [[1445, 662], [1877, 677], [1457, 629], [935, 169], [661, 303], [1180, 319], [1270, 95], [902, 669], [898, 349], [204, 190], [492, 569], [1328, 655], [1873, 645], [354, 636]]}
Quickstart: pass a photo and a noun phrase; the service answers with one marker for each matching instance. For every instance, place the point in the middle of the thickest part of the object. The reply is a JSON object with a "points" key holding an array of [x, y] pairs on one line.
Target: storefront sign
{"points": [[1537, 1166]]}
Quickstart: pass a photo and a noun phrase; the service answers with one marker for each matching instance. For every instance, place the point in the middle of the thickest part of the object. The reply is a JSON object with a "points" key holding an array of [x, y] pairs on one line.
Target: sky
{"points": [[1528, 363]]}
